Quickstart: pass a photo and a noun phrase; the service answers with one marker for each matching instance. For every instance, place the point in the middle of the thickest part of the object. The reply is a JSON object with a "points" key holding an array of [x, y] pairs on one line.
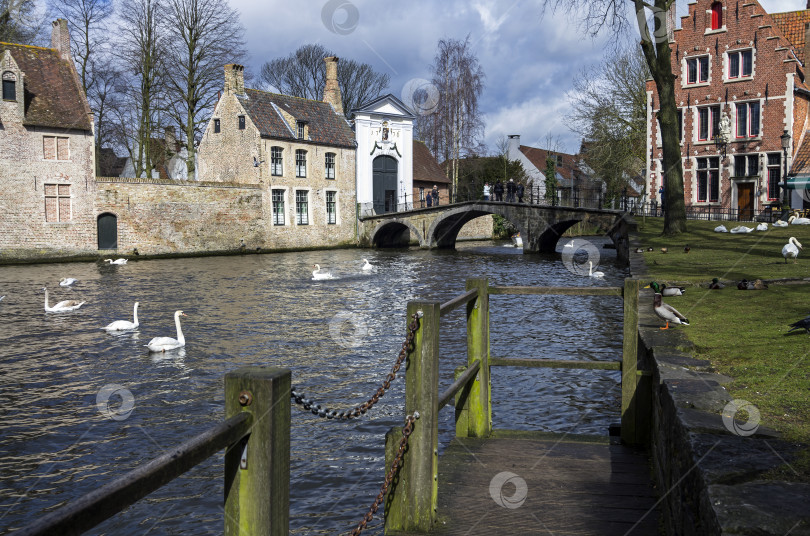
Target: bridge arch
{"points": [[444, 230], [395, 233]]}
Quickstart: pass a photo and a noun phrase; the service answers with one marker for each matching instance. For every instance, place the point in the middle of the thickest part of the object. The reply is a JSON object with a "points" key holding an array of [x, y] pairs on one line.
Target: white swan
{"points": [[762, 227], [116, 261], [741, 229], [67, 281], [367, 265], [795, 220], [162, 344], [591, 273], [720, 229], [317, 274], [791, 249], [62, 306], [780, 223], [121, 325]]}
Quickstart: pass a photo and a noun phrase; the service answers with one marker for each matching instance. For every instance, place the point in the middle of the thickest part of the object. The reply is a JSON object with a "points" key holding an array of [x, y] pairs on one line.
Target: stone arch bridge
{"points": [[540, 226]]}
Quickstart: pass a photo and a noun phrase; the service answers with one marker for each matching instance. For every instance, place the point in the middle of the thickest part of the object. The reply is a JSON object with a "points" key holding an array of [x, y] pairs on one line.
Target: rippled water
{"points": [[265, 309]]}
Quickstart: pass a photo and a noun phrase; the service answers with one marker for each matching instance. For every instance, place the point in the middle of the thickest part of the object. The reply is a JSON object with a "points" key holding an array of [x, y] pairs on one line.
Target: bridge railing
{"points": [[413, 500]]}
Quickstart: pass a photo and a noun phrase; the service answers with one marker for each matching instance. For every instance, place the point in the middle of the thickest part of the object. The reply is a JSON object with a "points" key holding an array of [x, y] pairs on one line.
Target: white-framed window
{"points": [[717, 15], [300, 163], [774, 176], [278, 207], [57, 202], [697, 70], [302, 207], [746, 165], [55, 148], [747, 119], [301, 129], [276, 161], [708, 179], [740, 64], [331, 207], [330, 165], [708, 122]]}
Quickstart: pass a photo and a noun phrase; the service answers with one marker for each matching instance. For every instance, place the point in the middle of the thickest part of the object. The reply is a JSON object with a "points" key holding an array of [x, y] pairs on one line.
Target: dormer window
{"points": [[302, 130], [9, 86], [717, 15]]}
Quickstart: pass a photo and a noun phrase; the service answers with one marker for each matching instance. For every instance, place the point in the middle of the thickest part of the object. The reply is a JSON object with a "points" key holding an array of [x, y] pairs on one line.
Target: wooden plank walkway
{"points": [[571, 487]]}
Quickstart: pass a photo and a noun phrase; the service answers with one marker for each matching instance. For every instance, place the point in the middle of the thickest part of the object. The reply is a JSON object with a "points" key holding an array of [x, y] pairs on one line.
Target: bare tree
{"points": [[142, 52], [455, 129], [608, 108], [302, 74], [203, 35], [20, 22], [612, 14]]}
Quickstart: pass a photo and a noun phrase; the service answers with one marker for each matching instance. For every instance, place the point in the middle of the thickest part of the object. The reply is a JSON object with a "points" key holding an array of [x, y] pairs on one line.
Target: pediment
{"points": [[387, 105]]}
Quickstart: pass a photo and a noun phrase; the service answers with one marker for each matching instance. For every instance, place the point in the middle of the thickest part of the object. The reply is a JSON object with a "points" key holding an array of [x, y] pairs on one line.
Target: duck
{"points": [[804, 324], [664, 250], [758, 284], [62, 306], [67, 281], [741, 229], [367, 265], [687, 249], [591, 273], [791, 249], [795, 220], [716, 284], [116, 261], [667, 312], [762, 226], [164, 344], [317, 274], [742, 285], [720, 229], [650, 248], [780, 223], [639, 250], [121, 325], [664, 290]]}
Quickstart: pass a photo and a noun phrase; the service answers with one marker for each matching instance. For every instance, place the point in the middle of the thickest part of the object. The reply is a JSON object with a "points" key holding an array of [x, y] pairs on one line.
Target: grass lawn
{"points": [[743, 333]]}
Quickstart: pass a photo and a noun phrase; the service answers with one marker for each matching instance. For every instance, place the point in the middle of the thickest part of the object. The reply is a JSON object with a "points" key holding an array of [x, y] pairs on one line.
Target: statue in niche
{"points": [[385, 131]]}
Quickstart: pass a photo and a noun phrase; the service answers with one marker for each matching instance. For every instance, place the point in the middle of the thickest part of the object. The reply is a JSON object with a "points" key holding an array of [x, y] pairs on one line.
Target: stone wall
{"points": [[159, 216], [477, 229]]}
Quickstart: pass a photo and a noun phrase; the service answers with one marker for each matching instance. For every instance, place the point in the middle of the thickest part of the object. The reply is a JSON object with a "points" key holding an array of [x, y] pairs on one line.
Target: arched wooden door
{"points": [[107, 229], [385, 184]]}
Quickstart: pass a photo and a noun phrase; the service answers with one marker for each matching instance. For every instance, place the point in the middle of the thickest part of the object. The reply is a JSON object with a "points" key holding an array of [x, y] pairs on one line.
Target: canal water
{"points": [[60, 439]]}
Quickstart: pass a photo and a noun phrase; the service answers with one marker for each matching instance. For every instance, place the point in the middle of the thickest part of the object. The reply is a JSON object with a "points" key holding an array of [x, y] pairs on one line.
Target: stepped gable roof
{"points": [[325, 126], [425, 167], [53, 96], [791, 24]]}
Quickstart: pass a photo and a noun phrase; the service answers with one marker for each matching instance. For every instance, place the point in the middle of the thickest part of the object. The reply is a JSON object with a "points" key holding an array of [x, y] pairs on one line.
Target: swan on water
{"points": [[791, 249], [317, 274], [367, 265], [591, 273], [62, 306], [667, 312], [67, 281], [116, 261], [163, 344], [121, 325]]}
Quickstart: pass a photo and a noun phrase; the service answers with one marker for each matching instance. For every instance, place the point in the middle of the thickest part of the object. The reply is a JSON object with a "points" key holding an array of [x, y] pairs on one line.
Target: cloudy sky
{"points": [[530, 58]]}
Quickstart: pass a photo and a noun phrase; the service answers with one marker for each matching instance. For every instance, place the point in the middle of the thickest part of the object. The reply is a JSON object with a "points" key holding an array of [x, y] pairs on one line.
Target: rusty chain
{"points": [[389, 477], [327, 413]]}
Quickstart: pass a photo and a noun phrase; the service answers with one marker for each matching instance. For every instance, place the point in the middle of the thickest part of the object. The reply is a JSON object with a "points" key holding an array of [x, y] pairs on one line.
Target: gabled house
{"points": [[301, 151], [47, 154], [741, 94], [427, 173]]}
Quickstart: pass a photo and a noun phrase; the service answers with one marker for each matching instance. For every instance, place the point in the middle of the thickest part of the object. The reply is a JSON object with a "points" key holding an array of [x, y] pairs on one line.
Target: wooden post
{"points": [[480, 401], [630, 362], [257, 469], [413, 506], [462, 406]]}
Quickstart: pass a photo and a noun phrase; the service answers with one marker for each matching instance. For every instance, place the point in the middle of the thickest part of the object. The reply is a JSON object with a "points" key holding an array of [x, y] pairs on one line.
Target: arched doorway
{"points": [[385, 184], [107, 229]]}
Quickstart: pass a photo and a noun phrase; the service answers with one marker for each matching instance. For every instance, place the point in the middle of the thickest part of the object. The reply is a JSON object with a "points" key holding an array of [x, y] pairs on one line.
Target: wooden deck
{"points": [[572, 487]]}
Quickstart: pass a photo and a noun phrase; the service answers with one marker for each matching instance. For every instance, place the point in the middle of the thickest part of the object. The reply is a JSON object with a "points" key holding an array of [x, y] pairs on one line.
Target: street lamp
{"points": [[785, 137]]}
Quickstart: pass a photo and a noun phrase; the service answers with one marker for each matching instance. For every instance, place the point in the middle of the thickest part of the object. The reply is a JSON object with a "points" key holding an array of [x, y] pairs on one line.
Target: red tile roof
{"points": [[801, 161], [538, 158], [53, 96], [324, 125], [425, 167], [791, 24]]}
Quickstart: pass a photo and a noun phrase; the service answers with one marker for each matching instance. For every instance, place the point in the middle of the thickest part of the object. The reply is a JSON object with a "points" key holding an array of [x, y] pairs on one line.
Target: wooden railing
{"points": [[256, 439], [413, 500]]}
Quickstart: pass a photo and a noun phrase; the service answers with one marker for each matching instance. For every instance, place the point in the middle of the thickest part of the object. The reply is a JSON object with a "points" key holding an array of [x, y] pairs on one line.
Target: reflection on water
{"points": [[340, 337]]}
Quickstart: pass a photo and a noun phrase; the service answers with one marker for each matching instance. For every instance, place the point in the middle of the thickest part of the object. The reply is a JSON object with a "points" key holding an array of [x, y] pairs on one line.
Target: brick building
{"points": [[301, 151], [47, 152], [740, 85]]}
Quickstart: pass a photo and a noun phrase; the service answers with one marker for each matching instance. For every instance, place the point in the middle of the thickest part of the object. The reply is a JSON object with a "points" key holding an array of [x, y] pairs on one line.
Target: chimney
{"points": [[234, 79], [170, 138], [60, 38], [331, 92], [513, 147]]}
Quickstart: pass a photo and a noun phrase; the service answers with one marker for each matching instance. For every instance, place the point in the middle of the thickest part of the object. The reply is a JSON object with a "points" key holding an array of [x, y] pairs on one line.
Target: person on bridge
{"points": [[498, 190], [510, 191], [486, 191], [435, 194], [429, 199], [520, 191]]}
